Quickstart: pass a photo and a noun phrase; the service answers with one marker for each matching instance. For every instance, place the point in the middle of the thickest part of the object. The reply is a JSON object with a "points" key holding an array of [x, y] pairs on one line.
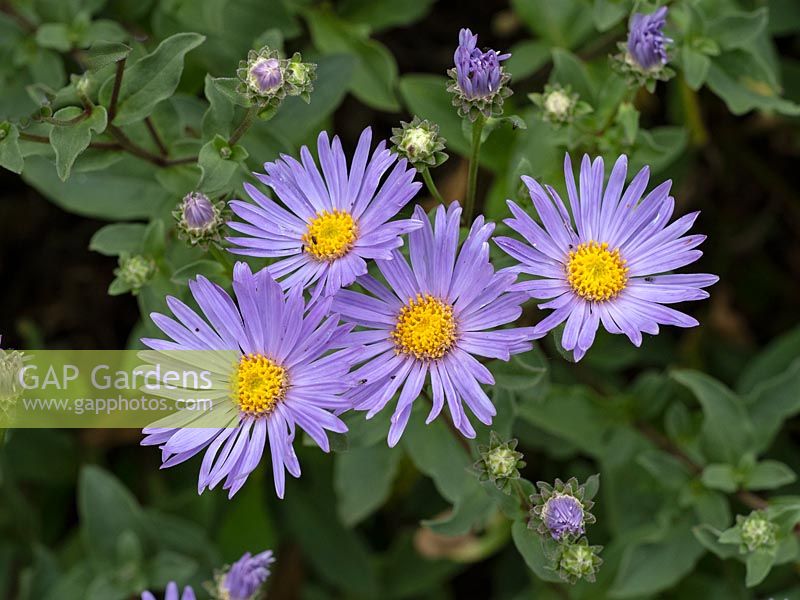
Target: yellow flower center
{"points": [[596, 273], [259, 384], [425, 329], [330, 235]]}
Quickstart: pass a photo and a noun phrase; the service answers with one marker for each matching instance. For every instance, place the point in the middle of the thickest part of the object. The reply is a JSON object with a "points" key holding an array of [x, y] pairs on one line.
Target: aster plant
{"points": [[272, 370], [608, 262], [331, 222], [436, 315]]}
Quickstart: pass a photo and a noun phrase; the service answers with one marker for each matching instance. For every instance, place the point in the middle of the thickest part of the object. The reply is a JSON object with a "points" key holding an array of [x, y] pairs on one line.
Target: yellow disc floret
{"points": [[259, 384], [596, 273], [425, 329], [330, 235]]}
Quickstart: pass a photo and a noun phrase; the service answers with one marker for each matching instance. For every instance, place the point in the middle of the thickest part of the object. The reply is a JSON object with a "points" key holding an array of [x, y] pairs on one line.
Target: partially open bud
{"points": [[199, 219], [266, 78], [579, 560], [479, 82], [561, 511], [133, 273], [758, 532], [244, 580], [499, 462], [643, 58], [420, 143]]}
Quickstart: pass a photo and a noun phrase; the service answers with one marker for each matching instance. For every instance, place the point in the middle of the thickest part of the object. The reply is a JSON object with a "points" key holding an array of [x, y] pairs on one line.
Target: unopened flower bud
{"points": [[758, 532], [579, 560], [135, 271], [199, 219], [561, 511], [420, 143], [266, 78], [499, 462]]}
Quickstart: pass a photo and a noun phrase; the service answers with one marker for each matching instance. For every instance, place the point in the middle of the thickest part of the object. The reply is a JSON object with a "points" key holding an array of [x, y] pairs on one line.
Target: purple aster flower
{"points": [[439, 313], [172, 593], [333, 221], [198, 211], [609, 268], [246, 576], [646, 40], [271, 371], [479, 72], [563, 516], [266, 74]]}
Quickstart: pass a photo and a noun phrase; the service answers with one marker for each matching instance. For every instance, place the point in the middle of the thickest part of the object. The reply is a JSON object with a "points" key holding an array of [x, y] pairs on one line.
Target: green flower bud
{"points": [[579, 561], [758, 532], [135, 271], [420, 143], [499, 462]]}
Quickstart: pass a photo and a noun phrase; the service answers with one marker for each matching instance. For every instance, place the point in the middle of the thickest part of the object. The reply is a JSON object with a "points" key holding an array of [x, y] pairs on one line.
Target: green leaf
{"points": [[695, 67], [102, 53], [135, 195], [529, 545], [246, 524], [744, 84], [738, 29], [375, 77], [771, 362], [657, 563], [773, 401], [153, 78], [363, 480], [564, 23], [219, 162], [720, 477], [769, 475], [709, 537], [55, 36], [107, 510], [69, 141], [336, 552], [435, 452], [382, 14], [727, 429], [607, 13], [10, 155], [119, 238], [568, 70], [527, 57], [523, 372], [759, 564]]}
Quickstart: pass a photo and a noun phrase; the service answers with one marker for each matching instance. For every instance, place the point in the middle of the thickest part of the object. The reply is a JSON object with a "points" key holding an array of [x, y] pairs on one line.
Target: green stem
{"points": [[426, 177], [247, 121], [472, 177]]}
